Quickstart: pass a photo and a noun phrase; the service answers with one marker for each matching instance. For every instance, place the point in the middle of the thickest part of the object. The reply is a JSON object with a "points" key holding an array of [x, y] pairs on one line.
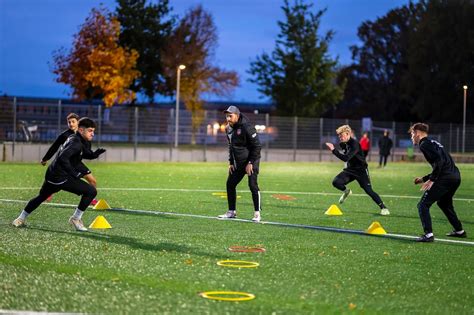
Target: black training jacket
{"points": [[351, 154], [244, 144], [68, 161], [57, 143], [440, 160]]}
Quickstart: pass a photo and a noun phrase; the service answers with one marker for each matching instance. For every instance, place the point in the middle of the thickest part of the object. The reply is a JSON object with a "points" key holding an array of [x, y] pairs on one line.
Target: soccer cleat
{"points": [[94, 202], [384, 211], [49, 198], [231, 214], [256, 217], [344, 196], [77, 223], [425, 239], [18, 222], [463, 234]]}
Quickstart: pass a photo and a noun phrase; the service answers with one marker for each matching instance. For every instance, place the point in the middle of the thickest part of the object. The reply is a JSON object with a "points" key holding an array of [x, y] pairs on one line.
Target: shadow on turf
{"points": [[130, 241]]}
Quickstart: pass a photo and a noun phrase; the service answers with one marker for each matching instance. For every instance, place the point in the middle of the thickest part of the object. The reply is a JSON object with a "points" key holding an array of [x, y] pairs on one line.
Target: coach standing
{"points": [[244, 159], [439, 186]]}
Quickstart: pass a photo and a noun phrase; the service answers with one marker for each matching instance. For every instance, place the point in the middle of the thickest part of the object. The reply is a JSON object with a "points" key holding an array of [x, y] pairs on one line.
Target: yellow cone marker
{"points": [[333, 210], [376, 228], [100, 223], [101, 205]]}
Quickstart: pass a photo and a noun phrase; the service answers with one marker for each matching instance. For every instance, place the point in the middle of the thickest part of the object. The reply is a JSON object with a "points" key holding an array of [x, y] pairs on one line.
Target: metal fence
{"points": [[41, 120]]}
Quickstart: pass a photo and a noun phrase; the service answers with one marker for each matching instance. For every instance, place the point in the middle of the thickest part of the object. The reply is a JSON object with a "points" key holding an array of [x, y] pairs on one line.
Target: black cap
{"points": [[232, 110]]}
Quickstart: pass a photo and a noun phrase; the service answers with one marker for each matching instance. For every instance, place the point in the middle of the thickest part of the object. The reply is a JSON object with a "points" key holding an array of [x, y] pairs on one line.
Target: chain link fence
{"points": [[31, 120]]}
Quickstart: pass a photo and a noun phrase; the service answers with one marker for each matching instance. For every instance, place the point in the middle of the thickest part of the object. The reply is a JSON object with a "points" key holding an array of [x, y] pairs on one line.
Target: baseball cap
{"points": [[232, 110]]}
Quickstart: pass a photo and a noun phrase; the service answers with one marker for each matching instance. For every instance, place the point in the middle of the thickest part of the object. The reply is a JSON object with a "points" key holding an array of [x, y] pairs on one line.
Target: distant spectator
{"points": [[385, 146], [365, 144]]}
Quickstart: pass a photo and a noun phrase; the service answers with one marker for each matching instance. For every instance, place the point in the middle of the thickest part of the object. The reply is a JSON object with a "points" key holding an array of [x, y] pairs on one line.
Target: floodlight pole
{"points": [[176, 123], [464, 120]]}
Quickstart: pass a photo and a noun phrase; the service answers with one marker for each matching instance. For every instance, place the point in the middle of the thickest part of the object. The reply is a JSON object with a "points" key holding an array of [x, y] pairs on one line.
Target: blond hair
{"points": [[344, 128]]}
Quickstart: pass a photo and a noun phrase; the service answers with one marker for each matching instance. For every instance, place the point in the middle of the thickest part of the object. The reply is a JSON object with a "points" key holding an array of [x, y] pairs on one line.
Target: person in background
{"points": [[385, 146], [365, 144]]}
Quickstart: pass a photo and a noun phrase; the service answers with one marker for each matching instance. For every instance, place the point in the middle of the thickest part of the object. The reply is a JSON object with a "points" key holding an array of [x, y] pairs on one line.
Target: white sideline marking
{"points": [[313, 227], [264, 192]]}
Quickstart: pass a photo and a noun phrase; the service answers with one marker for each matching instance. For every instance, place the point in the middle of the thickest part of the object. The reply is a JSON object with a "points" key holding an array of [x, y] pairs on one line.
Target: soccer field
{"points": [[150, 262]]}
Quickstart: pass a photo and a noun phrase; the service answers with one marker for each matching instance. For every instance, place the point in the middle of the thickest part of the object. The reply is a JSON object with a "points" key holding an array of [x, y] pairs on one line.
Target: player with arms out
{"points": [[65, 173], [356, 168]]}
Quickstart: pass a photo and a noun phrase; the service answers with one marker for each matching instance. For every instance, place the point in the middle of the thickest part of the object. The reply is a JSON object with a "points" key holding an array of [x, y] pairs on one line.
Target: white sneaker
{"points": [[344, 196], [256, 217], [384, 211], [18, 222], [231, 214], [78, 224]]}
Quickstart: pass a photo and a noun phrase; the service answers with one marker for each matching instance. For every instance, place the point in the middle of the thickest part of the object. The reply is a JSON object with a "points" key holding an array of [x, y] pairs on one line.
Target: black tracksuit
{"points": [[57, 144], [65, 173], [385, 145], [356, 169], [244, 148], [446, 178], [87, 153]]}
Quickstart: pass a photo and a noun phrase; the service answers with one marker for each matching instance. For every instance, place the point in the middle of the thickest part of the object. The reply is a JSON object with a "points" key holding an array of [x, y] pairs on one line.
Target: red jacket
{"points": [[364, 144]]}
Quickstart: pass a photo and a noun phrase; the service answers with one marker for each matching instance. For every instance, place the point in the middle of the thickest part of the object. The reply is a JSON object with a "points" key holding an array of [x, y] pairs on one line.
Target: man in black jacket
{"points": [[439, 186], [65, 173], [244, 159], [385, 146], [356, 168], [72, 123]]}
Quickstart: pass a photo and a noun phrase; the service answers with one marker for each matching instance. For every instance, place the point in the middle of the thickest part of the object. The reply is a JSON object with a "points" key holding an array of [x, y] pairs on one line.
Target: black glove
{"points": [[99, 151]]}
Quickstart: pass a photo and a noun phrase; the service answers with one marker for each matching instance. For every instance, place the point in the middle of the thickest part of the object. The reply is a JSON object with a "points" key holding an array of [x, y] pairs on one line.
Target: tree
{"points": [[299, 76], [440, 60], [374, 79], [412, 63], [192, 44], [146, 29], [97, 66]]}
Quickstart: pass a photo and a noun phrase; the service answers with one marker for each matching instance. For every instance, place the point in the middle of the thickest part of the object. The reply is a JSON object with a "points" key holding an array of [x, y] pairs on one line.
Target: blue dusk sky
{"points": [[30, 30]]}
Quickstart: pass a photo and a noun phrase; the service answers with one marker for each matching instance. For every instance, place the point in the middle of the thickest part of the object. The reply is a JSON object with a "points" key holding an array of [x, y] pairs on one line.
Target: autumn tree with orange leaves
{"points": [[96, 66], [192, 44]]}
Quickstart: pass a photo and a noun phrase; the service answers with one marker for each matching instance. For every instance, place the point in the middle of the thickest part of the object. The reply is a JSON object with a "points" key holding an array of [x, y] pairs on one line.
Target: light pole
{"points": [[176, 122], [464, 119]]}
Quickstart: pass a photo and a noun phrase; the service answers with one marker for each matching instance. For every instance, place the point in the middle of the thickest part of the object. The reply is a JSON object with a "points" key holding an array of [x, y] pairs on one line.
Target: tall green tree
{"points": [[193, 44], [412, 63], [374, 79], [441, 61], [299, 75], [146, 29]]}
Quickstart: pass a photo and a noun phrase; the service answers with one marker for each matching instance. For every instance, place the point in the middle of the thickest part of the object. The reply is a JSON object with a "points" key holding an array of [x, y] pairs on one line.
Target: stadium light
{"points": [[176, 123], [464, 119]]}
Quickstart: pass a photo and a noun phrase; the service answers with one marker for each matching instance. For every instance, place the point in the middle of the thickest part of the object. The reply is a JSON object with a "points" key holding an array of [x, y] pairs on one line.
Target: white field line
{"points": [[313, 227], [242, 191]]}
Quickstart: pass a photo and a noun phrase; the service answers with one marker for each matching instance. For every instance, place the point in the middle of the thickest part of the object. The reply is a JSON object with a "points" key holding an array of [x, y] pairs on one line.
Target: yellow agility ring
{"points": [[214, 295], [238, 263]]}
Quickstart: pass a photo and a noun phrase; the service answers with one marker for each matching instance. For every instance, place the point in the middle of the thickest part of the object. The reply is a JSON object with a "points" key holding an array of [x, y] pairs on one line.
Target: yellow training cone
{"points": [[376, 228], [101, 205], [100, 223], [333, 210]]}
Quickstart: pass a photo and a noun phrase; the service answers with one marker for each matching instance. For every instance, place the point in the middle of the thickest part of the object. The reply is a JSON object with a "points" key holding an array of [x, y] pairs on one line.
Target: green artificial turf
{"points": [[152, 263]]}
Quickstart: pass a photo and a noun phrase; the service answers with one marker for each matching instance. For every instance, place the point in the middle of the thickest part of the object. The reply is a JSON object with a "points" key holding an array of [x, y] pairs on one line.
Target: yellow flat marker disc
{"points": [[238, 263], [238, 197], [217, 295], [219, 194]]}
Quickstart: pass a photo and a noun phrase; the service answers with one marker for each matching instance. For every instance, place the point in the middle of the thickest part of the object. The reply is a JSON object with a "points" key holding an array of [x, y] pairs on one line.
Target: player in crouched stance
{"points": [[356, 168], [65, 173], [439, 186]]}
